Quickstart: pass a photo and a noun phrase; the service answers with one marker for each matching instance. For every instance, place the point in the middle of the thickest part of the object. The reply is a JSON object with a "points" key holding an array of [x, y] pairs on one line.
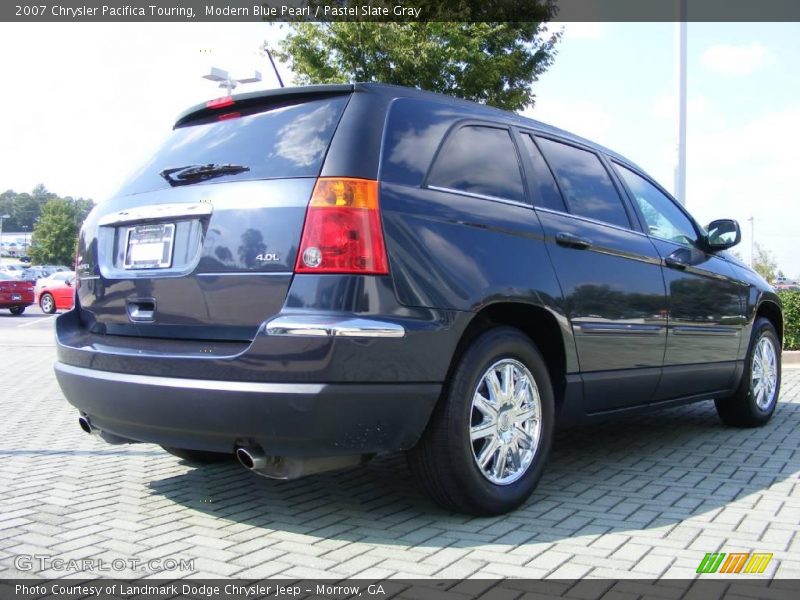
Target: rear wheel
{"points": [[47, 304], [486, 445], [17, 310], [754, 401], [200, 457]]}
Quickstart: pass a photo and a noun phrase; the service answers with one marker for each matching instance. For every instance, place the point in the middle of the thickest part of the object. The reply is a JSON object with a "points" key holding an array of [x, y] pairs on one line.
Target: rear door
{"points": [[200, 243], [609, 272], [705, 298]]}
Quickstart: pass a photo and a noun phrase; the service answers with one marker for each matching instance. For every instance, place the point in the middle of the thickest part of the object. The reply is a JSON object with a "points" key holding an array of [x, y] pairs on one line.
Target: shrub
{"points": [[791, 318]]}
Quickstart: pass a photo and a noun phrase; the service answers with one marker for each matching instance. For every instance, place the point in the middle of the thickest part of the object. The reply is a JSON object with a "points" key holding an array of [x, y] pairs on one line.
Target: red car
{"points": [[15, 295], [56, 292]]}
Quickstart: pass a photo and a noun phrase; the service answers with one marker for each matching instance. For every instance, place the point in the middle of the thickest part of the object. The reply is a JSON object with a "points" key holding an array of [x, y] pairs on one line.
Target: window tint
{"points": [[663, 218], [585, 183], [283, 141], [479, 160], [544, 188]]}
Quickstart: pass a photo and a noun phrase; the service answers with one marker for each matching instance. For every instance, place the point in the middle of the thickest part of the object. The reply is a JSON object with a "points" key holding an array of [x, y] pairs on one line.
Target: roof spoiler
{"points": [[260, 98]]}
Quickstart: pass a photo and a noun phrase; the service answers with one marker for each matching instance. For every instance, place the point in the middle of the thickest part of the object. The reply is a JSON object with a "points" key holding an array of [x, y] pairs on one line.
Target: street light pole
{"points": [[680, 168], [752, 241], [225, 80]]}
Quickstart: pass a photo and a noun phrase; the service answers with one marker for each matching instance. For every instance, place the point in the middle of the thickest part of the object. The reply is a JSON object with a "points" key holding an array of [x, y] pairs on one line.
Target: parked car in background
{"points": [[34, 273], [56, 268], [15, 270], [55, 292], [306, 277], [15, 294]]}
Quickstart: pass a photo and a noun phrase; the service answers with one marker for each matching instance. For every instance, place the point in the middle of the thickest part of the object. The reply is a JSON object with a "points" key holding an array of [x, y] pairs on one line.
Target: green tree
{"points": [[55, 234], [491, 63], [24, 209], [764, 263]]}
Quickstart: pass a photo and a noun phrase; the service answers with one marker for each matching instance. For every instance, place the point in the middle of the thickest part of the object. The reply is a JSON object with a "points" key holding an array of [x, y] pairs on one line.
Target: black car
{"points": [[310, 276]]}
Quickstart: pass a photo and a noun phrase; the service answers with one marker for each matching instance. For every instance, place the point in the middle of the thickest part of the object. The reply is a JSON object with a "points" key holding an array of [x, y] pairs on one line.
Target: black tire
{"points": [[17, 310], [743, 409], [199, 457], [445, 459], [47, 303]]}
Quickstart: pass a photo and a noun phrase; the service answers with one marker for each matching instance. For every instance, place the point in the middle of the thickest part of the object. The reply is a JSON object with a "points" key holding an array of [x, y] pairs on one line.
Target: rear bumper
{"points": [[285, 419]]}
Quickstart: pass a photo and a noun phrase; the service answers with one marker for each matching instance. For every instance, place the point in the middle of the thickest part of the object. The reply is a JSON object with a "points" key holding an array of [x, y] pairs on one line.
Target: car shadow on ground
{"points": [[636, 473]]}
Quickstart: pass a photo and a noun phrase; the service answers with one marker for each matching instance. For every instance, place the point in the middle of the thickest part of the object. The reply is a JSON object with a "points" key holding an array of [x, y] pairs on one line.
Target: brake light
{"points": [[223, 102], [342, 232]]}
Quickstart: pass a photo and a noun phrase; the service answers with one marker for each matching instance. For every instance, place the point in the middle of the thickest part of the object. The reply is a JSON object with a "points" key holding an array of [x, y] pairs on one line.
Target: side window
{"points": [[663, 218], [479, 160], [586, 185], [544, 188]]}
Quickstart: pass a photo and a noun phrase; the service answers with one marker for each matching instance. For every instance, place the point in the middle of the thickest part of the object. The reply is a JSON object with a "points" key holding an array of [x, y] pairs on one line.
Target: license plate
{"points": [[150, 246], [16, 296]]}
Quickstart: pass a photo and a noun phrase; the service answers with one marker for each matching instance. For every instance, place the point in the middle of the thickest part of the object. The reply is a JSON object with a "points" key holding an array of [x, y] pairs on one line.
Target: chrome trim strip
{"points": [[194, 384], [480, 196], [321, 326], [156, 212], [700, 330], [626, 328], [246, 274]]}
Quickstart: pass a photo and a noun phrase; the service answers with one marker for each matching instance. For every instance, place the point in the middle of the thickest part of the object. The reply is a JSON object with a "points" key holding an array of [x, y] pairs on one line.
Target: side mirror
{"points": [[68, 282], [723, 234]]}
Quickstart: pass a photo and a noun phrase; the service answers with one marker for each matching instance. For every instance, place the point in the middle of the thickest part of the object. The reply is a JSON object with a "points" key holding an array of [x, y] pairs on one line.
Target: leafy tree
{"points": [[491, 63], [56, 233], [24, 209], [764, 263]]}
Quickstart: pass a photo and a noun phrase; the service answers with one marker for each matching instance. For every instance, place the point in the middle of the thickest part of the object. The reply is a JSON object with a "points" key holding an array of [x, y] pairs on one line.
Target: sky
{"points": [[86, 103]]}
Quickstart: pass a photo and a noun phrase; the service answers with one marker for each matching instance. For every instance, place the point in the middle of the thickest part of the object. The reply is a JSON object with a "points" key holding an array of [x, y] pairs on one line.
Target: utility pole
{"points": [[752, 242], [680, 168]]}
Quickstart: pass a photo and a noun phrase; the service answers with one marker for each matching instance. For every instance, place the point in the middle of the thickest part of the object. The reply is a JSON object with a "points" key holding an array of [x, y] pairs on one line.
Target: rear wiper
{"points": [[194, 173]]}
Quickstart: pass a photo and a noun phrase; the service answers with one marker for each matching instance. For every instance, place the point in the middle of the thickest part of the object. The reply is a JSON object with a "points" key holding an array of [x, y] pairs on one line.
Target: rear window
{"points": [[284, 141]]}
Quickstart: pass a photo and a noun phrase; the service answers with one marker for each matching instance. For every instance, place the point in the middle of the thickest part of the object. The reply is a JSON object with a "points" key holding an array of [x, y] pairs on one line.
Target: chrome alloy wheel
{"points": [[764, 373], [505, 421], [47, 303]]}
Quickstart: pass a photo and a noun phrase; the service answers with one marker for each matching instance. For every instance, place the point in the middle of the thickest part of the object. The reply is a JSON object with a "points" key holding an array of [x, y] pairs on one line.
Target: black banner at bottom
{"points": [[420, 589]]}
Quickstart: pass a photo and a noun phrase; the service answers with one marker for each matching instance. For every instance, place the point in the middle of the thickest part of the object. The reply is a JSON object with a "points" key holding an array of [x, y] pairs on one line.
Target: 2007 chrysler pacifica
{"points": [[307, 277]]}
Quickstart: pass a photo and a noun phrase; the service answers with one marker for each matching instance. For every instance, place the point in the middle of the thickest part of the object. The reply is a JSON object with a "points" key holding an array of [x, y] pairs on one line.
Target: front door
{"points": [[705, 309]]}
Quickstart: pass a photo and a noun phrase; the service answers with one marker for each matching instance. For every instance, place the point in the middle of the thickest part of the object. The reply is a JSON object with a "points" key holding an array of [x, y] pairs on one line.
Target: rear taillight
{"points": [[343, 233]]}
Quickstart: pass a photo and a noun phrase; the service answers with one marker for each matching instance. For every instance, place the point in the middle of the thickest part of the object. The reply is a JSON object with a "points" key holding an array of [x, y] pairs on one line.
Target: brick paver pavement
{"points": [[644, 497]]}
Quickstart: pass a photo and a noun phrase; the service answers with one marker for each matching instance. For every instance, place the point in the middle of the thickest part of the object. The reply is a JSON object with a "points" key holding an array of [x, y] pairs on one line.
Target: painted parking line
{"points": [[35, 321]]}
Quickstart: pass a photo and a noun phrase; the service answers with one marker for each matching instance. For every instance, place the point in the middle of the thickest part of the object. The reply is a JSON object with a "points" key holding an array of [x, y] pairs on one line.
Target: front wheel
{"points": [[17, 310], [488, 440], [47, 304], [753, 402]]}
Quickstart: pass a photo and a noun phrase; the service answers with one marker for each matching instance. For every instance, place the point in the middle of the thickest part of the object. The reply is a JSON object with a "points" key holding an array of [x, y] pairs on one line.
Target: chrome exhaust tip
{"points": [[85, 424], [252, 459]]}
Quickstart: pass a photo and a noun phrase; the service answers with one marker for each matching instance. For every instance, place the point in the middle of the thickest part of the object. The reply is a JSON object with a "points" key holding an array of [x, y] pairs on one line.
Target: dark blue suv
{"points": [[308, 277]]}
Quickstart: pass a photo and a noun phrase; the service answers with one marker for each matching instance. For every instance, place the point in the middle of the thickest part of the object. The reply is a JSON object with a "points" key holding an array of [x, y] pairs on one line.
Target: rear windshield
{"points": [[285, 141]]}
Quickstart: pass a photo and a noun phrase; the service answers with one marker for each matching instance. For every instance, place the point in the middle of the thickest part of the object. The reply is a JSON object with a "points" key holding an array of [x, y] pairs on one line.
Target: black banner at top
{"points": [[399, 10]]}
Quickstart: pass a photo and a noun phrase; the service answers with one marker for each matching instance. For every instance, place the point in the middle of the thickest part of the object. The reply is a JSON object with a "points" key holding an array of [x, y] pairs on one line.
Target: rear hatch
{"points": [[201, 242]]}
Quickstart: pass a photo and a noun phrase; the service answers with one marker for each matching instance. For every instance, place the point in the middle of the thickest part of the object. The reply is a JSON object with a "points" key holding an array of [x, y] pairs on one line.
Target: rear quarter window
{"points": [[480, 160], [283, 141]]}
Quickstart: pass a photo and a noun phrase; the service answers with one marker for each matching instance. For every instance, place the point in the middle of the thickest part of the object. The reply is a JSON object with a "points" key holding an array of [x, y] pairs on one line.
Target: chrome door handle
{"points": [[570, 240]]}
